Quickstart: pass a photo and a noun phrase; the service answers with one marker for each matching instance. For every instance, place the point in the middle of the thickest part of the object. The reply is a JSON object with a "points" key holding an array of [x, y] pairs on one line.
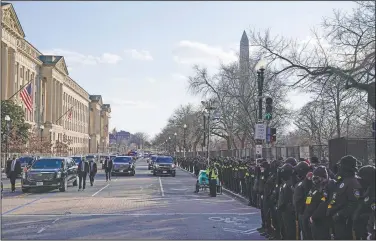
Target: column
{"points": [[11, 77], [50, 99], [4, 72], [54, 101], [58, 106], [61, 103]]}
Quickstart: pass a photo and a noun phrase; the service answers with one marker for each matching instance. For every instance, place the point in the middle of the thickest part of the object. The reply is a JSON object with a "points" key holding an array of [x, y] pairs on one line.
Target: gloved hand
{"points": [[336, 217]]}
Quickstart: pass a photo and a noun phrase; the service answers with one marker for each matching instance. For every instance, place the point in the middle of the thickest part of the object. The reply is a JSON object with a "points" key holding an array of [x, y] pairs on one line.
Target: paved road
{"points": [[139, 207]]}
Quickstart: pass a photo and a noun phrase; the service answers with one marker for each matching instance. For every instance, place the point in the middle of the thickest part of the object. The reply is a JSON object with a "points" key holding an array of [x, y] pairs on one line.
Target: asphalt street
{"points": [[139, 207]]}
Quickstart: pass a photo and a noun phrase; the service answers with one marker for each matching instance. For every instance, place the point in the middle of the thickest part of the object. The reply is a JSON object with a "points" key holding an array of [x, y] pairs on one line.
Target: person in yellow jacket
{"points": [[213, 174]]}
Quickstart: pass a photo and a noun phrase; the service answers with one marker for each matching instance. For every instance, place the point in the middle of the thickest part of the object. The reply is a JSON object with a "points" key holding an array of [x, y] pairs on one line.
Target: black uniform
{"points": [[344, 199], [285, 203], [108, 164], [93, 171]]}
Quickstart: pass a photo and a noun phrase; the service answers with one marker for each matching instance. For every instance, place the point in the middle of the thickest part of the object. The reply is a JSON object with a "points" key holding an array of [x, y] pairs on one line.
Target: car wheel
{"points": [[64, 187], [25, 190], [75, 183]]}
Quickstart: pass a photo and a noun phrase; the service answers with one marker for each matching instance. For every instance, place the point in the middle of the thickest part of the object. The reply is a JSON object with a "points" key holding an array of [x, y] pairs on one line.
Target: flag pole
{"points": [[19, 90], [64, 114]]}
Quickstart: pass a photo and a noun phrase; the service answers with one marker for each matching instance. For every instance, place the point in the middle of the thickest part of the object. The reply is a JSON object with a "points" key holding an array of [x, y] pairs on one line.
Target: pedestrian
{"points": [[344, 199], [83, 170], [13, 169], [108, 164], [93, 171]]}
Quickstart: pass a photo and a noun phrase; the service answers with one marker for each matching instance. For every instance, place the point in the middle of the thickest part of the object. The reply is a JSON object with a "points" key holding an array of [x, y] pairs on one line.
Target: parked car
{"points": [[123, 165], [50, 172], [164, 165]]}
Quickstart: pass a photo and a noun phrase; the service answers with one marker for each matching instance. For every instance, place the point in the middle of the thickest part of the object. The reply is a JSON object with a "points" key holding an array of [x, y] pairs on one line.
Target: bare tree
{"points": [[348, 54]]}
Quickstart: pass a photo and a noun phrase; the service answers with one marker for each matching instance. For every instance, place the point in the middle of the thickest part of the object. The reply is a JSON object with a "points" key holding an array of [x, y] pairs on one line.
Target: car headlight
{"points": [[173, 165], [58, 175]]}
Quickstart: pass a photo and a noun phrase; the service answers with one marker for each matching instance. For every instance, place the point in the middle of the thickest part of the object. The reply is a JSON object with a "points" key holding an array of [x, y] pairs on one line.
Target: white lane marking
{"points": [[100, 190], [160, 184], [42, 229], [56, 220], [179, 189], [123, 214]]}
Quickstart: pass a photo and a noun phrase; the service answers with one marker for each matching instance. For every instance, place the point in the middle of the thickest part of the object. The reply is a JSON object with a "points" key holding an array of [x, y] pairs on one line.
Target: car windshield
{"points": [[77, 159], [123, 159], [164, 160], [47, 163], [153, 158], [26, 159], [90, 157]]}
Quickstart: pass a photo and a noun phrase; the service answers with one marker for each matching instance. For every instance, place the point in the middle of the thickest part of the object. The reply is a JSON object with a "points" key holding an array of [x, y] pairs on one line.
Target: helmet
{"points": [[292, 161], [286, 171], [302, 168], [367, 174]]}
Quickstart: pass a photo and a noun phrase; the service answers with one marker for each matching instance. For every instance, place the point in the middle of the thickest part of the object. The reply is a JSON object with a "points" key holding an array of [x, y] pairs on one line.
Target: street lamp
{"points": [[102, 146], [185, 127], [50, 130], [7, 120], [260, 68], [209, 106], [89, 143], [41, 132]]}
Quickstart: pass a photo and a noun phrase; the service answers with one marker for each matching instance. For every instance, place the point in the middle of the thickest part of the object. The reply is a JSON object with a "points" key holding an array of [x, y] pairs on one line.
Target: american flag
{"points": [[27, 97]]}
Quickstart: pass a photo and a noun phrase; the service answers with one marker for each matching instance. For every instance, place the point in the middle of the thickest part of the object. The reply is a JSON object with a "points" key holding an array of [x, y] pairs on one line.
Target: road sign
{"points": [[258, 149], [260, 131]]}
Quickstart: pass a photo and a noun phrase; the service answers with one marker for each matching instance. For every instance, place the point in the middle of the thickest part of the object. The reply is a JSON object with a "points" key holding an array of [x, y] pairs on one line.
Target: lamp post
{"points": [[7, 120], [102, 146], [50, 130], [41, 137], [89, 143], [185, 127], [260, 68], [209, 106], [169, 145]]}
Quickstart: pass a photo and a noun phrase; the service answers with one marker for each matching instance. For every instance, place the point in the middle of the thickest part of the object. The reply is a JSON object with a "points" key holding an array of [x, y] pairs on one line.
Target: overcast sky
{"points": [[137, 55]]}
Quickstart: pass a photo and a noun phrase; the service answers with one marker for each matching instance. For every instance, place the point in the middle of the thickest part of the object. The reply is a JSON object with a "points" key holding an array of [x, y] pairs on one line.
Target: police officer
{"points": [[285, 201], [304, 184], [274, 180], [364, 211], [213, 174], [108, 164], [344, 199]]}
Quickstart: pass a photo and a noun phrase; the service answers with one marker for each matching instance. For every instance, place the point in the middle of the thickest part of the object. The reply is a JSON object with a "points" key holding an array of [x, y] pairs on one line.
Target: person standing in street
{"points": [[108, 164], [213, 174], [83, 170], [93, 171], [13, 170]]}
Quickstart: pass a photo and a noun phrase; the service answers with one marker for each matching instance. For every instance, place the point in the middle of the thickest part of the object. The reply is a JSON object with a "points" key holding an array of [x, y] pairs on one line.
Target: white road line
{"points": [[124, 214], [100, 190], [42, 229], [160, 184], [56, 220]]}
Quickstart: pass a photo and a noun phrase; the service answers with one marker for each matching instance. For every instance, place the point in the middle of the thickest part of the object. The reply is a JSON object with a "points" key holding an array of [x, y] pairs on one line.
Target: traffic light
{"points": [[273, 133], [268, 108]]}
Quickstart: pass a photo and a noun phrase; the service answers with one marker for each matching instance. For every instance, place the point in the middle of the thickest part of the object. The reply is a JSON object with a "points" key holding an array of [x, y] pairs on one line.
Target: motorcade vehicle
{"points": [[77, 159], [151, 162], [164, 165], [50, 172], [123, 165]]}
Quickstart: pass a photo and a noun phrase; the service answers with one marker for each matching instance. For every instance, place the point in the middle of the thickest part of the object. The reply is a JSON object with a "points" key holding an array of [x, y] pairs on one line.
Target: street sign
{"points": [[258, 149], [260, 131]]}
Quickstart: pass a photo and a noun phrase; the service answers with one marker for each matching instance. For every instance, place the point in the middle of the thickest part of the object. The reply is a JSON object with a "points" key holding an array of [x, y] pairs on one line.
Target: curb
{"points": [[225, 190]]}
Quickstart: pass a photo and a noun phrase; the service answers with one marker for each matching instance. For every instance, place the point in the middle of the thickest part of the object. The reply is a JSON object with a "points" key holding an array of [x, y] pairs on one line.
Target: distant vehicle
{"points": [[164, 165], [123, 165], [151, 162], [77, 159], [50, 172]]}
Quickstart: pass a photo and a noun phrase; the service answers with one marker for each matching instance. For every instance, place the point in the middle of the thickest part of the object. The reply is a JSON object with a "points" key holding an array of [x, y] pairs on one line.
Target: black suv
{"points": [[164, 165], [123, 165], [50, 172]]}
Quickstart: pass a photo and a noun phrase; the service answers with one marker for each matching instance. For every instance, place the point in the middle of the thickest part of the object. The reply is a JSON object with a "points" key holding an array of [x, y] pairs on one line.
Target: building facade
{"points": [[60, 105]]}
